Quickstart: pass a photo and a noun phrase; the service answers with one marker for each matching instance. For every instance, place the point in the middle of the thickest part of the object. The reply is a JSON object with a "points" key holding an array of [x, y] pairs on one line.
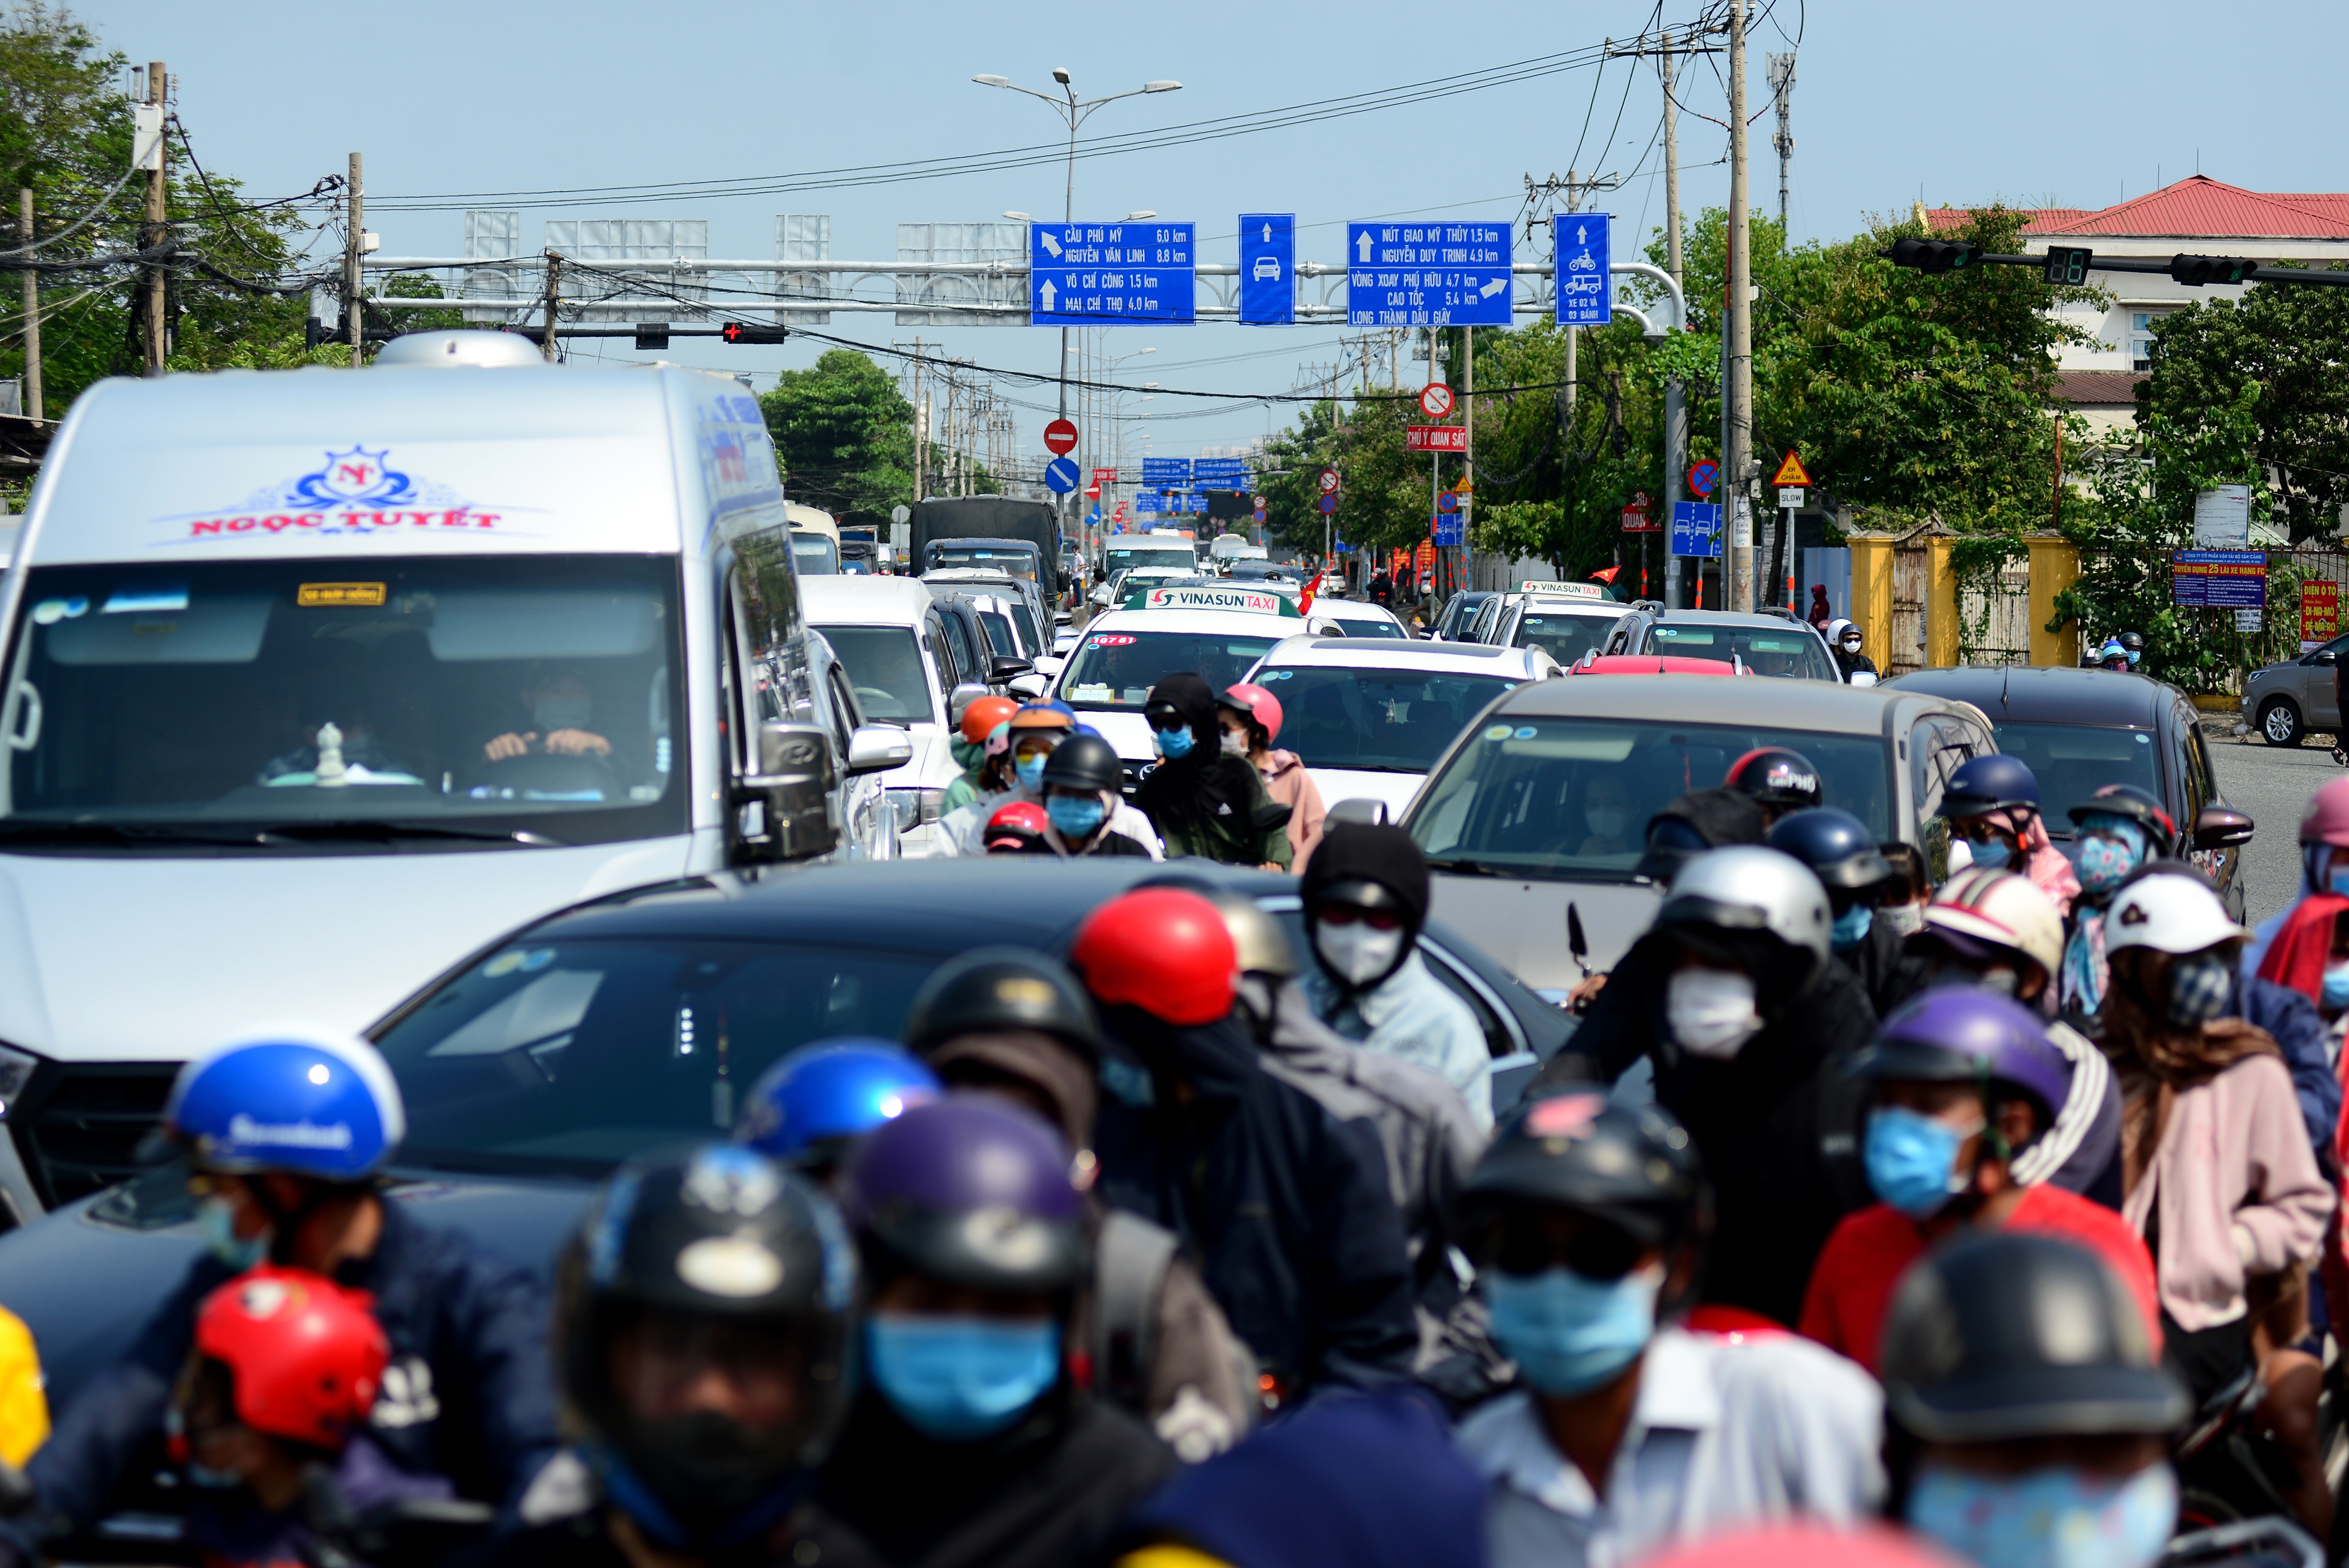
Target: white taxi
{"points": [[1564, 620]]}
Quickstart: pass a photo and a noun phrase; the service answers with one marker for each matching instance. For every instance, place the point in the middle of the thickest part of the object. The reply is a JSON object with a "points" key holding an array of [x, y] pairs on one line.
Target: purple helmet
{"points": [[971, 1190], [1960, 1034]]}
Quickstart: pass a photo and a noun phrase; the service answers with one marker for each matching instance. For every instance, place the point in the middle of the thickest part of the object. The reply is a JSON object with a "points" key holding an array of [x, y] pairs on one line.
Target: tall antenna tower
{"points": [[1782, 93]]}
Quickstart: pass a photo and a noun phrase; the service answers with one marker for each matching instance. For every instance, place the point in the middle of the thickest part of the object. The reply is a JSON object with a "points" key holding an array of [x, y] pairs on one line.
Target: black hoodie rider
{"points": [[1202, 801]]}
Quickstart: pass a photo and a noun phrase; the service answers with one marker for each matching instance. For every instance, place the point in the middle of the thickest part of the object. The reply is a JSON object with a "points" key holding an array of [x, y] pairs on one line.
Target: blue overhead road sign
{"points": [[1100, 274], [1427, 274], [1586, 294], [1696, 529], [1061, 473], [1162, 471], [1267, 269]]}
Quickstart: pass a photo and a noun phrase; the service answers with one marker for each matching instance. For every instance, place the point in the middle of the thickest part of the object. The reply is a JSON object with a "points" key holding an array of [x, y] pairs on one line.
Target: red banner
{"points": [[1438, 437]]}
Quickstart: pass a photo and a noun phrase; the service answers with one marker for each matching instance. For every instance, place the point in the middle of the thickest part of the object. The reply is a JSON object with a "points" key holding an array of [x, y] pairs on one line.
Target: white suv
{"points": [[888, 638]]}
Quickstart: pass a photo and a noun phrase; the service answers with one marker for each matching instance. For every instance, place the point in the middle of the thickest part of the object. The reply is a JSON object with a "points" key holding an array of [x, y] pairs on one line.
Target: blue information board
{"points": [[1267, 269], [2219, 579], [1696, 529], [1427, 274], [1220, 472], [1585, 294], [1163, 471], [1100, 274], [1451, 530]]}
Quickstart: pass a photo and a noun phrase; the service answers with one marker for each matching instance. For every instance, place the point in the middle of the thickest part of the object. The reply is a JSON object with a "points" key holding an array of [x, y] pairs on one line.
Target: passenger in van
{"points": [[1607, 812], [561, 708]]}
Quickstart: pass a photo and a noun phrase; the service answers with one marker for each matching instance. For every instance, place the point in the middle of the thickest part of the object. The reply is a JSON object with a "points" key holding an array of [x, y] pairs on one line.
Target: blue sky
{"points": [[2080, 104]]}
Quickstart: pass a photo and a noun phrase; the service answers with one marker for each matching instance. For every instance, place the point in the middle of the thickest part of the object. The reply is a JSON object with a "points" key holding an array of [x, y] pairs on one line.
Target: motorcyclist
{"points": [[1366, 897], [2025, 1415], [1845, 638], [1286, 1207], [705, 1334], [973, 1237], [2324, 873], [1014, 1023], [1035, 728], [809, 1111], [1251, 717], [2116, 831], [1964, 1085], [1731, 996], [1590, 1225], [1992, 806], [981, 717], [1018, 828], [2114, 655], [286, 1134], [1086, 810], [1778, 779], [2133, 644], [1201, 800], [1835, 846]]}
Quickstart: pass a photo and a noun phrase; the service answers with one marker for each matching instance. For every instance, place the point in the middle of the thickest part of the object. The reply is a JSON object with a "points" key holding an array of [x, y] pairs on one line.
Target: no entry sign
{"points": [[1060, 436]]}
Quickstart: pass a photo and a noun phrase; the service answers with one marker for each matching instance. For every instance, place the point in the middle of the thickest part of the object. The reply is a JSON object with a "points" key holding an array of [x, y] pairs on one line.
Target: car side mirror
{"points": [[784, 811], [1027, 687], [963, 696], [1862, 678], [877, 748], [2222, 827], [1003, 667], [1361, 812], [2326, 656]]}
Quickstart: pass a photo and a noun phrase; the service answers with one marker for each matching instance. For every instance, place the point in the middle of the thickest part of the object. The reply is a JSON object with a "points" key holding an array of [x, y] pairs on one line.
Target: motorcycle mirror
{"points": [[1575, 944]]}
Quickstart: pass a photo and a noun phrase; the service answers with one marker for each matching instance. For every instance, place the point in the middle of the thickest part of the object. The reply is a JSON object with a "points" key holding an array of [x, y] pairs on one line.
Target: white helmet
{"points": [[1835, 628], [2170, 912], [1746, 887], [2003, 910]]}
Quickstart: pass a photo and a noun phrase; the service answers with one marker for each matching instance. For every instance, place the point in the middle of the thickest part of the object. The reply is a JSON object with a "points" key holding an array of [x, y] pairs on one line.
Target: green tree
{"points": [[844, 437]]}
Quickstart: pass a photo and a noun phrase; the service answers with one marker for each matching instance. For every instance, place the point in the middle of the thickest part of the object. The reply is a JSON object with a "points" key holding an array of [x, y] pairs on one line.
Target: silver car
{"points": [[2286, 701]]}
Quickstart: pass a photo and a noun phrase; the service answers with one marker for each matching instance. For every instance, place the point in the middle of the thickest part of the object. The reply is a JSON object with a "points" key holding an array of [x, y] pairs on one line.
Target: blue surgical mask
{"points": [[2200, 985], [2336, 989], [2340, 881], [1031, 771], [551, 713], [1075, 816], [1850, 927], [958, 1379], [1173, 744], [1912, 1160], [1992, 854], [2104, 863], [216, 1218], [2053, 1518], [1568, 1333]]}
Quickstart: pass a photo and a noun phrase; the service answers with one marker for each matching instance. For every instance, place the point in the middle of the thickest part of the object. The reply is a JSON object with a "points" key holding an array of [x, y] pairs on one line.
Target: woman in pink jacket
{"points": [[1251, 717], [2216, 1169]]}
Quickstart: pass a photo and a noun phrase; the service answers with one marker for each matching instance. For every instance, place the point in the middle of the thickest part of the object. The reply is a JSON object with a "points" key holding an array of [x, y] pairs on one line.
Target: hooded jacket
{"points": [[1204, 803], [1287, 784]]}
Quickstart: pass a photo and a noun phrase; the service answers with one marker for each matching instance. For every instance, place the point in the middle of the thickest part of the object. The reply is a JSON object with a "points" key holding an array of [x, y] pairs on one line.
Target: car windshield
{"points": [[1570, 798], [2072, 762], [884, 665], [572, 1056], [1565, 637], [1008, 558], [1365, 624], [1119, 557], [1386, 720], [1765, 651], [510, 693], [814, 554], [1116, 669]]}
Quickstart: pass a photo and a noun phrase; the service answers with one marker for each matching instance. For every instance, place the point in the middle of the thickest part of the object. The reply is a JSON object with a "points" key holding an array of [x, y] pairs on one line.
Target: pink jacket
{"points": [[1287, 782], [2237, 1188]]}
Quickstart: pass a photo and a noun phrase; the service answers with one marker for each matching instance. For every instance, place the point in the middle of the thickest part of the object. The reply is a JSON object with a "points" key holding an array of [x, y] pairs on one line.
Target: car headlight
{"points": [[916, 806], [16, 1070]]}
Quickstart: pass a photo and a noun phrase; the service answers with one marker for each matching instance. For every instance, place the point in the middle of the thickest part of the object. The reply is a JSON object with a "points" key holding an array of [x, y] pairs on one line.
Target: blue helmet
{"points": [[1989, 784], [305, 1101], [804, 1105]]}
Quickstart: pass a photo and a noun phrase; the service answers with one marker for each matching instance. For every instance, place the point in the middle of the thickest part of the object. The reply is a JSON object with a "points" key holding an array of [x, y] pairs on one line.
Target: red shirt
{"points": [[1852, 1282]]}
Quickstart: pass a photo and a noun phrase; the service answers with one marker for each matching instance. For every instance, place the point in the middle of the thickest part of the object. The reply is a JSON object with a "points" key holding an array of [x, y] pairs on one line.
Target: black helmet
{"points": [[2133, 641], [2003, 1336], [1835, 846], [2138, 805], [1779, 778], [714, 1232], [1263, 946], [989, 990], [971, 1190], [1635, 1169], [1995, 782], [1700, 820], [1083, 762]]}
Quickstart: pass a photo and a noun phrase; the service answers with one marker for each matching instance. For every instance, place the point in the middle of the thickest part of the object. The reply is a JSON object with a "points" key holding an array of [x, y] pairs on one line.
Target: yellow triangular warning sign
{"points": [[1792, 471]]}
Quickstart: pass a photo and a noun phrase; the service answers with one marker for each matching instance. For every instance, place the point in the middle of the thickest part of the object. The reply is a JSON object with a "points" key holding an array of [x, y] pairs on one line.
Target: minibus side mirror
{"points": [[784, 811]]}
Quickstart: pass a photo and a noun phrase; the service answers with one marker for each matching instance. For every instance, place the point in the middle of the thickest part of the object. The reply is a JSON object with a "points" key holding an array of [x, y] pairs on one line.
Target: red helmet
{"points": [[1161, 950], [307, 1354], [1015, 826], [979, 718], [2327, 821], [1260, 705]]}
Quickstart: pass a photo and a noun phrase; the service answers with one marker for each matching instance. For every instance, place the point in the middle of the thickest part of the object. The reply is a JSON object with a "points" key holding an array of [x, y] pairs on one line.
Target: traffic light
{"points": [[2067, 265], [2196, 271], [745, 332], [1935, 255]]}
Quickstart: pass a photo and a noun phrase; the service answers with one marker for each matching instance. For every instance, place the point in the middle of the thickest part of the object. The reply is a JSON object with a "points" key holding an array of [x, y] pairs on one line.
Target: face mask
{"points": [[2055, 1517], [2104, 863], [2197, 990], [1568, 1333], [958, 1379], [1607, 821], [2336, 989], [967, 755], [1850, 927], [2339, 880], [1711, 1012], [1999, 981], [1075, 816], [216, 1217], [1992, 854], [1235, 743], [552, 713], [1173, 744], [1912, 1160], [1031, 770], [1905, 919], [1355, 953], [2134, 655], [1851, 645]]}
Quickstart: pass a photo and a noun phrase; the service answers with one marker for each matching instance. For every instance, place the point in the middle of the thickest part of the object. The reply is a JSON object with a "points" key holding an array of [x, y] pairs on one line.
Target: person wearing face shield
{"points": [[2219, 1176], [1835, 846], [2116, 832], [1590, 1225], [981, 718], [970, 1441], [1732, 996], [1992, 807], [1033, 732], [1366, 897], [287, 1134], [1085, 813], [1964, 1087], [2026, 1416], [1203, 799]]}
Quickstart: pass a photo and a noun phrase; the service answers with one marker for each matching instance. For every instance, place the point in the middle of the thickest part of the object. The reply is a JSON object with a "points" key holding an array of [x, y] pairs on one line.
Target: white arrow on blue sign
{"points": [[1427, 274], [1267, 269], [1061, 474], [1585, 294], [1104, 274]]}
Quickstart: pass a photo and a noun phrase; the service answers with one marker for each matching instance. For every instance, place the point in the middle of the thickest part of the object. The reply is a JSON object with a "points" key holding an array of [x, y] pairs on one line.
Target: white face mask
{"points": [[1355, 953], [1906, 918], [1236, 744], [1711, 1012]]}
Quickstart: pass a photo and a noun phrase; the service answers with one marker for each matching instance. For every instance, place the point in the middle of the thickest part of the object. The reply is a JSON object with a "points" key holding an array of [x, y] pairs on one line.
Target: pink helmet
{"points": [[2327, 821], [1264, 708]]}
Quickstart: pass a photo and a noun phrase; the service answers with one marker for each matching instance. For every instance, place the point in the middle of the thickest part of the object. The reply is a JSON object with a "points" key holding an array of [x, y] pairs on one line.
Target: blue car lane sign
{"points": [[1102, 274], [1267, 269], [1585, 294], [1696, 529], [1427, 274]]}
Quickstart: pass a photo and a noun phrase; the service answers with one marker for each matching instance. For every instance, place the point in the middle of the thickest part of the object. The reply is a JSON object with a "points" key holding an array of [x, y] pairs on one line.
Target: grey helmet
{"points": [[1746, 889]]}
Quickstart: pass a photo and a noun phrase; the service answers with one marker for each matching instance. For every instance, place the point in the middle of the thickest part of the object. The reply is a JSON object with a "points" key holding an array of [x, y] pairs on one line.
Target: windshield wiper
{"points": [[130, 834], [1465, 868], [381, 831]]}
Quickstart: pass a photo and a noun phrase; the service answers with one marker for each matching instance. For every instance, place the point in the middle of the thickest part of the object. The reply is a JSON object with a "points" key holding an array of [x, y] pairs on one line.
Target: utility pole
{"points": [[553, 293], [1739, 392], [1781, 91], [32, 306], [155, 230], [355, 280], [1468, 459], [1671, 169]]}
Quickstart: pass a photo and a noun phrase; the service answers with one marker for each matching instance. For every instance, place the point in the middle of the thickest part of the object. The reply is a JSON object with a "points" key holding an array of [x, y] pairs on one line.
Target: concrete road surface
{"points": [[2272, 783]]}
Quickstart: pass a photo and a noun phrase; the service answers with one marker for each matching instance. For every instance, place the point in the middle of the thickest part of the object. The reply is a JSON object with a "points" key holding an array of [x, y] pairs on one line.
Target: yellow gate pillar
{"points": [[2054, 567], [1871, 595], [1940, 605]]}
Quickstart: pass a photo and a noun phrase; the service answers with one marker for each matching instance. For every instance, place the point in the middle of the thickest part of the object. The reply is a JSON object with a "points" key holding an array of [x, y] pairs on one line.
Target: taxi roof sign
{"points": [[1792, 471], [1558, 590], [1257, 601]]}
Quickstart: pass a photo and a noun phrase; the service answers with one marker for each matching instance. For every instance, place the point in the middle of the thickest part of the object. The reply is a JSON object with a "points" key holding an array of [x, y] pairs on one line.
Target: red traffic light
{"points": [[745, 332]]}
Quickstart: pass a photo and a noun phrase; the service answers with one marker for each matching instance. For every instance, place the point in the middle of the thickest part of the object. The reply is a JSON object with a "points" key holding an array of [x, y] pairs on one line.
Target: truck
{"points": [[990, 517]]}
